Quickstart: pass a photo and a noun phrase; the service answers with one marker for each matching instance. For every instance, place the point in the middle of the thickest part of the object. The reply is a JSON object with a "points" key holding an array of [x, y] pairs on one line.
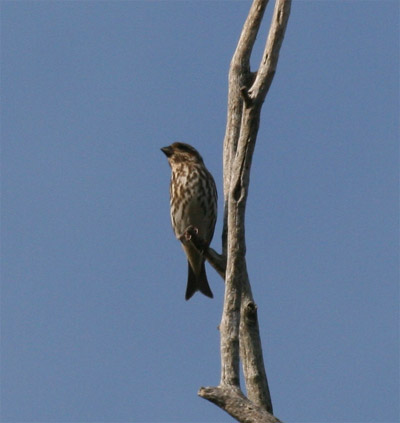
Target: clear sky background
{"points": [[94, 325]]}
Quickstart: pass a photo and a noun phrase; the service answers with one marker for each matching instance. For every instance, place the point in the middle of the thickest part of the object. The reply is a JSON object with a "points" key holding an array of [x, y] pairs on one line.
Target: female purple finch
{"points": [[193, 202]]}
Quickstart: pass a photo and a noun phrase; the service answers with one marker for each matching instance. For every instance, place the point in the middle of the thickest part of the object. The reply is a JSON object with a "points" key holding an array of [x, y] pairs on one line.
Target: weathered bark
{"points": [[233, 401], [240, 338]]}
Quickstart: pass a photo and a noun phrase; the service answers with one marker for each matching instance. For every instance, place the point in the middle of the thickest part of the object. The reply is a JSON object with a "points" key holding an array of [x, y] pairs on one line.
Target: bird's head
{"points": [[179, 152]]}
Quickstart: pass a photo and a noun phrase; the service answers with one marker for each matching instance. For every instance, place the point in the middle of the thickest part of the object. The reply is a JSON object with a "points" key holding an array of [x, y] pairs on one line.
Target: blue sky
{"points": [[94, 325]]}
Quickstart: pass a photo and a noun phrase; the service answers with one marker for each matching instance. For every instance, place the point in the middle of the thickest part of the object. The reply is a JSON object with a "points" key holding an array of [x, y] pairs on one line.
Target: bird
{"points": [[193, 203]]}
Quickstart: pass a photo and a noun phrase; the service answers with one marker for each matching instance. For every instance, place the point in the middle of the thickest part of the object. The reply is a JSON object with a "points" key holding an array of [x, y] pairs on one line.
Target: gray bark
{"points": [[240, 338], [233, 401]]}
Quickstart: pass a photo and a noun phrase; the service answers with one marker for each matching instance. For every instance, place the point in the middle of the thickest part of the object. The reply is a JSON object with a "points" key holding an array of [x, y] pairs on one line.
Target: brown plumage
{"points": [[193, 202]]}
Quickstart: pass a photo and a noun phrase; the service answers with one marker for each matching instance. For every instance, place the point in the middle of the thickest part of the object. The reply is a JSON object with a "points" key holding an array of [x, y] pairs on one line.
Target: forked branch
{"points": [[240, 338]]}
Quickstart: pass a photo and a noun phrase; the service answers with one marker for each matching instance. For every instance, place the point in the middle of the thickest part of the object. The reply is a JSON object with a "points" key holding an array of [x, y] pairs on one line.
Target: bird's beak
{"points": [[167, 151]]}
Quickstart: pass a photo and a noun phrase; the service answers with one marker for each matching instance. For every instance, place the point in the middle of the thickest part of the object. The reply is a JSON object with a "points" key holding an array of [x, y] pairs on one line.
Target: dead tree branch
{"points": [[236, 404], [240, 338]]}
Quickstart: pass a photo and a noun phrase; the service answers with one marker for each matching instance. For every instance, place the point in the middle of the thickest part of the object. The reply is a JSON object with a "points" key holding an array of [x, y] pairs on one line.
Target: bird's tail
{"points": [[197, 283]]}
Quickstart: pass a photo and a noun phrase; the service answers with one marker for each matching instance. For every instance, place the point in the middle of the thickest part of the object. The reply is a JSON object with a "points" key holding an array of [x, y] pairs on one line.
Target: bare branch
{"points": [[252, 355], [233, 401], [240, 338], [249, 339], [270, 57], [241, 57], [239, 77]]}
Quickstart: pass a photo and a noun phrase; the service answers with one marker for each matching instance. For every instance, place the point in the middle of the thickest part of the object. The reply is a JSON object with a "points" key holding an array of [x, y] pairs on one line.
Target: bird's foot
{"points": [[190, 231]]}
